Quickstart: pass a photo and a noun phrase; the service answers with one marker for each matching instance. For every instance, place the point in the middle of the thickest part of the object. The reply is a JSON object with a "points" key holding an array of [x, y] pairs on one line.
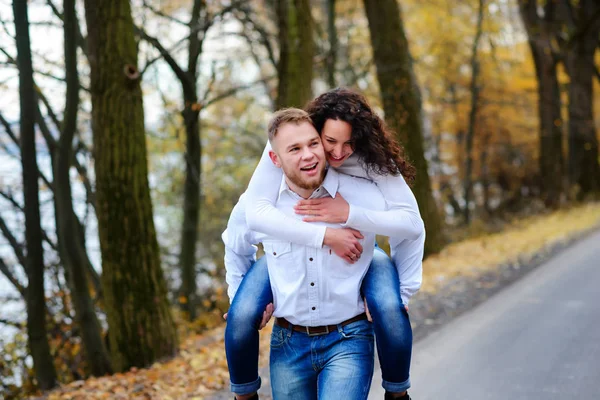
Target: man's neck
{"points": [[304, 193]]}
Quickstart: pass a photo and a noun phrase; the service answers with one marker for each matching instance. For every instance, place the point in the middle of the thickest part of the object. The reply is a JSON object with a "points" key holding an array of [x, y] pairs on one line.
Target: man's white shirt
{"points": [[311, 286], [401, 220]]}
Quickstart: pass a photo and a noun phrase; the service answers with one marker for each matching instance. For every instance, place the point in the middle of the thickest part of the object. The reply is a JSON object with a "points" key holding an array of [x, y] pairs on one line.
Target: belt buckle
{"points": [[325, 332]]}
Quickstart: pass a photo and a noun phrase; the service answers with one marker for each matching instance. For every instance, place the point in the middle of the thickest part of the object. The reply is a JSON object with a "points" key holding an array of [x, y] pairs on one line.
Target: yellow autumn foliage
{"points": [[201, 366], [517, 244]]}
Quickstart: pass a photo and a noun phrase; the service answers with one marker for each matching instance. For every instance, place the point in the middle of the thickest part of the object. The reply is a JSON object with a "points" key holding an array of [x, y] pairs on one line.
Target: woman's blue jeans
{"points": [[390, 321]]}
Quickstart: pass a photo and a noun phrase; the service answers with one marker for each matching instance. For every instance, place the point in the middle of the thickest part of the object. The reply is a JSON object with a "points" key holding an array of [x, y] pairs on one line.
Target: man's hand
{"points": [[332, 210], [344, 242], [267, 314]]}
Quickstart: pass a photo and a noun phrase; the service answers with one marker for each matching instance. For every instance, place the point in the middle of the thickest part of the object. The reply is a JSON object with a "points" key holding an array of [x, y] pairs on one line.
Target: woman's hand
{"points": [[332, 210]]}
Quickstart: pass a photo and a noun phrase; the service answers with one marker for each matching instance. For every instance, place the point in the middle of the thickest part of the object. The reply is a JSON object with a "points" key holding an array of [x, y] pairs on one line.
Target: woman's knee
{"points": [[245, 313], [384, 303]]}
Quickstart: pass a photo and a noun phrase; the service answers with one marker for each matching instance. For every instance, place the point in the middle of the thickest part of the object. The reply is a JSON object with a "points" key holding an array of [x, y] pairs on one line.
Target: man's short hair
{"points": [[287, 116]]}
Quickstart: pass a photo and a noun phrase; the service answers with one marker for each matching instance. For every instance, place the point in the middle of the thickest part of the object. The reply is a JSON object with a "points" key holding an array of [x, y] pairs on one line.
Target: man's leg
{"points": [[292, 374], [391, 323], [348, 363], [241, 334]]}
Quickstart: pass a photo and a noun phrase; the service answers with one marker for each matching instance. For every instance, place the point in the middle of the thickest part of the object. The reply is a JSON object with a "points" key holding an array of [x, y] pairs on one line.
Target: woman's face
{"points": [[336, 137]]}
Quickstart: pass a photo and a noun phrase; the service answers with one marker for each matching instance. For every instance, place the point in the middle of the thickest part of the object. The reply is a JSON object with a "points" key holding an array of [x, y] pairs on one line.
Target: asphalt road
{"points": [[536, 339]]}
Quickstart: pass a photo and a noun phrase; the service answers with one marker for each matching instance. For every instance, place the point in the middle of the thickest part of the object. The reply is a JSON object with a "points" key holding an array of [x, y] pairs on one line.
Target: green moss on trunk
{"points": [[141, 328], [295, 68]]}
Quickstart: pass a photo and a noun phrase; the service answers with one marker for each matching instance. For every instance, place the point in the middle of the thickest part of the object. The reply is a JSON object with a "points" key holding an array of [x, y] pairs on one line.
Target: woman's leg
{"points": [[393, 332], [241, 334]]}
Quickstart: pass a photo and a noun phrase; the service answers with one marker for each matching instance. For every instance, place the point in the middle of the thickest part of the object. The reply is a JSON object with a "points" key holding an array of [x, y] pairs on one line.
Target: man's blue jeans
{"points": [[338, 364], [390, 322]]}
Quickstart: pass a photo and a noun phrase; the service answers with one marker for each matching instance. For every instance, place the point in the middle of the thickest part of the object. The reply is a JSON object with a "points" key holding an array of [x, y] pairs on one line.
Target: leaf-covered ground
{"points": [[201, 368]]}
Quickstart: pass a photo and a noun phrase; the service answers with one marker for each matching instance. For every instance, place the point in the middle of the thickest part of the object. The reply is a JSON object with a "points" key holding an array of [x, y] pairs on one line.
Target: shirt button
{"points": [[274, 253], [310, 259], [312, 284], [314, 308]]}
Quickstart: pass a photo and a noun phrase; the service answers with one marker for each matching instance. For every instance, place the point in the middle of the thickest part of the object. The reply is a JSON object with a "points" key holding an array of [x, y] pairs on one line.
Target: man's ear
{"points": [[274, 158]]}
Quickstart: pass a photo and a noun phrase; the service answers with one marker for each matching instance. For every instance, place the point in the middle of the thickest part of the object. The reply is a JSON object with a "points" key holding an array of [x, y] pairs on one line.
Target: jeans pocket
{"points": [[358, 330], [279, 336]]}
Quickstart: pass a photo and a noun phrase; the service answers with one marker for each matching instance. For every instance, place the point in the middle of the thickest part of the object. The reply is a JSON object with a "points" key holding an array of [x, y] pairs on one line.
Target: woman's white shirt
{"points": [[401, 221]]}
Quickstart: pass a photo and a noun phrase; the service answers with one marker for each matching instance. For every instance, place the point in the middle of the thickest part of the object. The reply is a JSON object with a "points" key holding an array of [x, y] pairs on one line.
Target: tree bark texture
{"points": [[193, 163], [583, 164], [402, 104], [72, 250], [468, 178], [296, 51], [333, 43], [141, 327], [551, 156], [34, 264]]}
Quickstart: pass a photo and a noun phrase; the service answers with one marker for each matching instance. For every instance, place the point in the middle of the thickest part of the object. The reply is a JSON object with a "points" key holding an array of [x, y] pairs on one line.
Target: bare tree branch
{"points": [[11, 278], [11, 200], [246, 18], [49, 108], [18, 325], [81, 41], [159, 13], [15, 140], [9, 130], [12, 61], [235, 90], [14, 243], [179, 72]]}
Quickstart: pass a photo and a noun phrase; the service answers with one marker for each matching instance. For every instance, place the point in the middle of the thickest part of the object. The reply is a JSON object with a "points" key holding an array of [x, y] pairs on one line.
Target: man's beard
{"points": [[295, 177]]}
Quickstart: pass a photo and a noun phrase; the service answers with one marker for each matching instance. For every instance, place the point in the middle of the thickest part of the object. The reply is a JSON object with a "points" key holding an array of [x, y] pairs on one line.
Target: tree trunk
{"points": [[402, 104], [485, 174], [551, 153], [141, 327], [193, 167], [36, 306], [551, 132], [333, 43], [295, 67], [583, 167], [72, 252], [468, 183], [191, 209]]}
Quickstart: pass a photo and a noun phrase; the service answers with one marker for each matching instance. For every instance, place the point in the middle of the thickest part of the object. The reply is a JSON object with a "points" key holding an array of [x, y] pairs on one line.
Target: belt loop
{"points": [[340, 328], [290, 330]]}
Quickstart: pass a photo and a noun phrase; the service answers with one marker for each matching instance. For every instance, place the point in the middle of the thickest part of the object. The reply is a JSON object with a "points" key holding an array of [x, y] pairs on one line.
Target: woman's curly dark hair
{"points": [[372, 140]]}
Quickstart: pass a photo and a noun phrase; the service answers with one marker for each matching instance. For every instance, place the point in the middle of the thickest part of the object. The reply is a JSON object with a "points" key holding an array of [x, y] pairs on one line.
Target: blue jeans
{"points": [[390, 321], [336, 365], [381, 289]]}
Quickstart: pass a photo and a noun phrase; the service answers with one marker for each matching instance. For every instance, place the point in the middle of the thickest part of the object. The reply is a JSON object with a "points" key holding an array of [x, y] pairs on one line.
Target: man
{"points": [[322, 343]]}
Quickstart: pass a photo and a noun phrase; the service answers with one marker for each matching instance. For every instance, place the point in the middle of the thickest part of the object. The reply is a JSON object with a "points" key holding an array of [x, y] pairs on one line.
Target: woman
{"points": [[356, 142]]}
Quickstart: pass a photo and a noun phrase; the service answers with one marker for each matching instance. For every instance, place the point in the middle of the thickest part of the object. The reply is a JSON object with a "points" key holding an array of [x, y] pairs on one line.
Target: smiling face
{"points": [[297, 149], [336, 137]]}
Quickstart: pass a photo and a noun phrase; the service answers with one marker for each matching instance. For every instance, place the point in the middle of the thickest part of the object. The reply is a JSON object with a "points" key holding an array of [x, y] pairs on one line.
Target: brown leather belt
{"points": [[317, 330]]}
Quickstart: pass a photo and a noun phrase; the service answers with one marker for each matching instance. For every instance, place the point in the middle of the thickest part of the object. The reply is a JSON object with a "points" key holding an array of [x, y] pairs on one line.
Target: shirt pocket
{"points": [[276, 249], [279, 255]]}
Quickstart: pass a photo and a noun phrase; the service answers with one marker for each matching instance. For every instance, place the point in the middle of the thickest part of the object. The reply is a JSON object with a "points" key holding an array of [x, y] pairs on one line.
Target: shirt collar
{"points": [[330, 184]]}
